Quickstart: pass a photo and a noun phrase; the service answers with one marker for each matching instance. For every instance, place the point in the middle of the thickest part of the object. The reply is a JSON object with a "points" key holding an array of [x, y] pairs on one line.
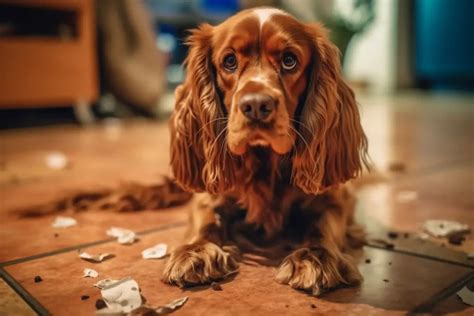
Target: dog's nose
{"points": [[256, 106]]}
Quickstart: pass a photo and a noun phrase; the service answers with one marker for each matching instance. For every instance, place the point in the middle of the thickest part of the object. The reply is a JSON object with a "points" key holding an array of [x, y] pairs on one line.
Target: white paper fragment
{"points": [[165, 309], [155, 252], [63, 222], [123, 296], [105, 283], [90, 273], [159, 310], [56, 160], [444, 228], [466, 295], [94, 258], [124, 236], [406, 196]]}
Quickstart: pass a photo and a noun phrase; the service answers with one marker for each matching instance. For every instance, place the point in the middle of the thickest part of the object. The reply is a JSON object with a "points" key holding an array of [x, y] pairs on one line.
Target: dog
{"points": [[265, 126]]}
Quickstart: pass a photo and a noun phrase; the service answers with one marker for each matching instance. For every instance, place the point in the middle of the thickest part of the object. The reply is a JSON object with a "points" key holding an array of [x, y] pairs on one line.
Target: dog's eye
{"points": [[288, 61], [230, 62]]}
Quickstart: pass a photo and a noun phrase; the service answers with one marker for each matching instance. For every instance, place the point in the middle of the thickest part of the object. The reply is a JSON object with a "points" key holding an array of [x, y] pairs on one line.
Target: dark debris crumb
{"points": [[392, 235], [313, 306], [390, 263], [216, 286], [406, 235], [287, 305], [56, 235], [38, 279], [84, 297], [389, 245], [456, 239], [385, 280], [99, 304], [368, 261]]}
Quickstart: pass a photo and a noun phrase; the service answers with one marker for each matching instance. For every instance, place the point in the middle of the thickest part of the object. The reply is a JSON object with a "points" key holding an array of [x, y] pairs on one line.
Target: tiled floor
{"points": [[430, 135]]}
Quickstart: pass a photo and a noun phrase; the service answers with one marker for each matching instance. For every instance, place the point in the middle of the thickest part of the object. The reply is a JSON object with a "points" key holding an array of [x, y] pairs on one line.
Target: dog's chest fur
{"points": [[264, 189]]}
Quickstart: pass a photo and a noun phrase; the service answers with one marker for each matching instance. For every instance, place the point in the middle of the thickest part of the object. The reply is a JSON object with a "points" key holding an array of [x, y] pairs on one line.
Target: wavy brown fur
{"points": [[293, 185]]}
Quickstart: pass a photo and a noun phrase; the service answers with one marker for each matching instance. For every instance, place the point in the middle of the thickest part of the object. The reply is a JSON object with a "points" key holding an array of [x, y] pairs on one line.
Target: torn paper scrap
{"points": [[124, 236], [443, 228], [174, 305], [466, 295], [160, 310], [123, 296], [155, 252], [105, 283], [94, 258], [406, 196], [90, 273], [63, 222], [56, 160]]}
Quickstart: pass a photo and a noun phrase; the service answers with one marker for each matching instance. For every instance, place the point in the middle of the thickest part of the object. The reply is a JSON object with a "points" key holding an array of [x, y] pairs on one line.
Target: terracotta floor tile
{"points": [[421, 131], [430, 135], [11, 303], [443, 194], [137, 151], [34, 236], [253, 291]]}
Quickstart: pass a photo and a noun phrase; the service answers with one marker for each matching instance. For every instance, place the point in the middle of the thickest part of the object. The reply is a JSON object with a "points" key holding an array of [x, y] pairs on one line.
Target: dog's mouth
{"points": [[239, 143], [258, 140]]}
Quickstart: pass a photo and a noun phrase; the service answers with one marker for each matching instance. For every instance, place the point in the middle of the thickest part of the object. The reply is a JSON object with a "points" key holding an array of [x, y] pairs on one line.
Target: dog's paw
{"points": [[198, 263], [317, 272]]}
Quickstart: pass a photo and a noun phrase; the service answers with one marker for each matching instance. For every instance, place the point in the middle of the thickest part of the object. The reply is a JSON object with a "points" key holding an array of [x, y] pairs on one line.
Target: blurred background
{"points": [[84, 60]]}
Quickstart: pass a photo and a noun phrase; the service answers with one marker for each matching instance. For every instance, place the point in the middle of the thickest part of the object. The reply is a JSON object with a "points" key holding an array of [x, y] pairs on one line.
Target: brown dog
{"points": [[265, 125]]}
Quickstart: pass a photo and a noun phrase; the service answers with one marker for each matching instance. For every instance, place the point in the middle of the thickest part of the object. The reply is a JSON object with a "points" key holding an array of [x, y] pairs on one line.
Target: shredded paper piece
{"points": [[105, 283], [90, 273], [124, 236], [444, 228], [155, 252], [94, 258], [160, 310], [64, 222], [121, 297], [466, 295], [56, 160]]}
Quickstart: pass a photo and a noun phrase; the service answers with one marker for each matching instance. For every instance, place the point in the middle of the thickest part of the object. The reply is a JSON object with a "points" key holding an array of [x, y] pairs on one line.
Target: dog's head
{"points": [[261, 78]]}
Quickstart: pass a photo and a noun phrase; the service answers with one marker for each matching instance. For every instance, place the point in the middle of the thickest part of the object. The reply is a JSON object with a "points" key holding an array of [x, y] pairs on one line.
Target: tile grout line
{"points": [[182, 223], [23, 293], [414, 254], [443, 294], [86, 245]]}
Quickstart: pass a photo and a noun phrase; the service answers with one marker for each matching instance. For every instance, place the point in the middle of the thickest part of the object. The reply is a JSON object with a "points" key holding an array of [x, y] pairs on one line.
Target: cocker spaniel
{"points": [[265, 126]]}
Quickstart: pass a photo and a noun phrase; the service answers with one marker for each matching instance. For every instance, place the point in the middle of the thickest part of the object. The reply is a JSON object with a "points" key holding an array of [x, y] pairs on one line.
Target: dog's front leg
{"points": [[321, 263], [202, 259]]}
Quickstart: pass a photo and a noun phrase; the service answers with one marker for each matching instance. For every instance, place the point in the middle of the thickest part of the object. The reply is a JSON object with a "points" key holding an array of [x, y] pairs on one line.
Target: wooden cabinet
{"points": [[45, 71]]}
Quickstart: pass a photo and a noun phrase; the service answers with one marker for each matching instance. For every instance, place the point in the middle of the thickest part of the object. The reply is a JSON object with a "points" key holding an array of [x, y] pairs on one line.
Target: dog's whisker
{"points": [[210, 122]]}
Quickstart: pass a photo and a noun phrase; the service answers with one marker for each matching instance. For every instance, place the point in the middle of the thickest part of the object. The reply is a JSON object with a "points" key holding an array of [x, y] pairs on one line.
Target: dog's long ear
{"points": [[199, 160], [334, 148]]}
